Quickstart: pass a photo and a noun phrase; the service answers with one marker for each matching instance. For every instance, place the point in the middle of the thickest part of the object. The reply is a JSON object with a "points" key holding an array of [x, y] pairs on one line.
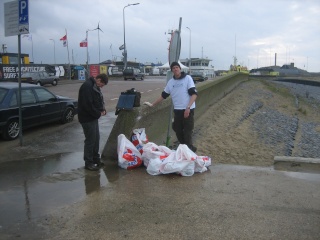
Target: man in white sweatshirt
{"points": [[183, 93]]}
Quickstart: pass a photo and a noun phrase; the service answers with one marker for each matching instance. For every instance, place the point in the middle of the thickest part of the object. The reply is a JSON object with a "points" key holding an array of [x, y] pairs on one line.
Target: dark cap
{"points": [[174, 64]]}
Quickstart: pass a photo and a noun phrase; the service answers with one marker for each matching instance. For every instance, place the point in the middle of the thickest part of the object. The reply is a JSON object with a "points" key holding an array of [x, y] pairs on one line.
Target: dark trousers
{"points": [[183, 127], [91, 142]]}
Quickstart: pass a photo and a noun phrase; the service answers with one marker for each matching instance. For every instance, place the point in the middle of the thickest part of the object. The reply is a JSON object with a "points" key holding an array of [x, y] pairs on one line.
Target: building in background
{"points": [[201, 65]]}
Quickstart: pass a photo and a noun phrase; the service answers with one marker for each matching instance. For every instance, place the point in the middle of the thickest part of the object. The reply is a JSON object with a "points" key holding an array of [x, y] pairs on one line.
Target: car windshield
{"points": [[196, 73], [25, 75], [3, 93]]}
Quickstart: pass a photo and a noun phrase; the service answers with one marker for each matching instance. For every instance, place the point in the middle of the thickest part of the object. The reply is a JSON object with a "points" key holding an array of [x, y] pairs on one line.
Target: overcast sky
{"points": [[251, 30]]}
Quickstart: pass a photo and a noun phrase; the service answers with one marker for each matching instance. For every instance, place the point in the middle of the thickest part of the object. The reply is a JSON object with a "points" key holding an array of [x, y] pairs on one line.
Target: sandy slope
{"points": [[227, 132]]}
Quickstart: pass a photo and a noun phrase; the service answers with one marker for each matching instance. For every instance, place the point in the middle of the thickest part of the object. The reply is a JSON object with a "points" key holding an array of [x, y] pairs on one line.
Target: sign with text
{"points": [[94, 70], [16, 18], [11, 16]]}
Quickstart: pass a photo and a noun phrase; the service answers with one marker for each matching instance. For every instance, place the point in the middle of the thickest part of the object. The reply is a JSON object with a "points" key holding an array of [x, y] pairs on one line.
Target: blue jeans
{"points": [[91, 142]]}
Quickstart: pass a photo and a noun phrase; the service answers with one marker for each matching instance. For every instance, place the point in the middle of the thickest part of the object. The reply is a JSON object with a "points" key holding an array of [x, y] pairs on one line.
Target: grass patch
{"points": [[303, 111], [277, 89]]}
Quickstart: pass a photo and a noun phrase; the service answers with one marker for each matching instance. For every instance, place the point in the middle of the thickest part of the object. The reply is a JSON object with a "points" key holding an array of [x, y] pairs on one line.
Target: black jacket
{"points": [[90, 101]]}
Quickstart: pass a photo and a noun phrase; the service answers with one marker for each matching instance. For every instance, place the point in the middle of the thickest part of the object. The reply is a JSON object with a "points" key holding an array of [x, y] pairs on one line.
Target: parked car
{"points": [[132, 73], [39, 78], [39, 106], [198, 76]]}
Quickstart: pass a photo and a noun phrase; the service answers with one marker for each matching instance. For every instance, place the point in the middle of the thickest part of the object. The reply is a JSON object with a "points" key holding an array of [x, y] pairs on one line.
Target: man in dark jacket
{"points": [[90, 109]]}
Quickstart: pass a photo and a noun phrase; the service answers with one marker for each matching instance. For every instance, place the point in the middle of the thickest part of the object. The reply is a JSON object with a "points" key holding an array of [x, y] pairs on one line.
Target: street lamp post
{"points": [[189, 51], [124, 37], [87, 70], [54, 50]]}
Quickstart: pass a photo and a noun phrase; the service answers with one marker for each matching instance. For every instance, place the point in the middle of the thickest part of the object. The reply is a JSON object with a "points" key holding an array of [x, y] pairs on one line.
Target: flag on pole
{"points": [[29, 36], [121, 47], [84, 43], [64, 39]]}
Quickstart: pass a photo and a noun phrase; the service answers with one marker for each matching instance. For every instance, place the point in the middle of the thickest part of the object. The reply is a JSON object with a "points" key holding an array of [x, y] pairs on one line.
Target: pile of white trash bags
{"points": [[158, 159]]}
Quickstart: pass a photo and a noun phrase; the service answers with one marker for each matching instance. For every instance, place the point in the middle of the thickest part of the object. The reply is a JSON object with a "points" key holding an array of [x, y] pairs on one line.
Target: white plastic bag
{"points": [[153, 157], [152, 150], [128, 155], [139, 138], [181, 163], [201, 163], [154, 165]]}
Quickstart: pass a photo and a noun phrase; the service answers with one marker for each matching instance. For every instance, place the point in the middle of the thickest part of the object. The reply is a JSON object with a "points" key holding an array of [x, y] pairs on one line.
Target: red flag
{"points": [[84, 43], [64, 39]]}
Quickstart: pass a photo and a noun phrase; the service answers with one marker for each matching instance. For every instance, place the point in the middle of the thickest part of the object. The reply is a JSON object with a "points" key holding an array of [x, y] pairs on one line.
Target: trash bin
{"points": [[128, 100]]}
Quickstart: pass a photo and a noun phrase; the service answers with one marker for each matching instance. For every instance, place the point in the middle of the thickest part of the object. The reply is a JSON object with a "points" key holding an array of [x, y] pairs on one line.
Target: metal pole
{"points": [[68, 55], [169, 76], [19, 95], [87, 72], [99, 43], [124, 41], [124, 37], [54, 50], [32, 49], [189, 51]]}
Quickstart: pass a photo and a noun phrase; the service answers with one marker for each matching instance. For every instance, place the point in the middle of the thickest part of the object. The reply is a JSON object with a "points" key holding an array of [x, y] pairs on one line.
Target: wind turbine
{"points": [[99, 29]]}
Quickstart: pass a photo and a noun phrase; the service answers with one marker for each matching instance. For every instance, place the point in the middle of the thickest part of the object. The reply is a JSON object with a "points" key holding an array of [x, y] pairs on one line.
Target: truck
{"points": [[155, 71]]}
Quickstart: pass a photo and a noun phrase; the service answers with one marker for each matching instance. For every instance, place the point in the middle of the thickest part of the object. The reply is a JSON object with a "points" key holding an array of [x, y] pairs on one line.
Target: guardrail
{"points": [[156, 119]]}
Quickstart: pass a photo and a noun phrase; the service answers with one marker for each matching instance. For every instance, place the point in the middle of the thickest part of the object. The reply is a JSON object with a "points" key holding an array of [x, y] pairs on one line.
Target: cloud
{"points": [[253, 31]]}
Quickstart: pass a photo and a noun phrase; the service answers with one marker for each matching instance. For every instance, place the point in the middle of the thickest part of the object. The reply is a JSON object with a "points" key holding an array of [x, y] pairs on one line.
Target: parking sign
{"points": [[23, 16], [23, 12]]}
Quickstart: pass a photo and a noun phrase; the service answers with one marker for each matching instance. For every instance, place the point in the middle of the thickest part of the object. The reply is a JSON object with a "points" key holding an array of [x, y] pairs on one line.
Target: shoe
{"points": [[193, 149], [99, 163], [92, 166]]}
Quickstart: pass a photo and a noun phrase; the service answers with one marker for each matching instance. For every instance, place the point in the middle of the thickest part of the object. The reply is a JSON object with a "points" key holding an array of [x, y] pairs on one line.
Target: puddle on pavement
{"points": [[33, 187]]}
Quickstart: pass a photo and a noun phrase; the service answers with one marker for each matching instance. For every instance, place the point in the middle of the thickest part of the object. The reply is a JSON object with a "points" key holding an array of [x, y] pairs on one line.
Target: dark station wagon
{"points": [[198, 76], [132, 73], [38, 106]]}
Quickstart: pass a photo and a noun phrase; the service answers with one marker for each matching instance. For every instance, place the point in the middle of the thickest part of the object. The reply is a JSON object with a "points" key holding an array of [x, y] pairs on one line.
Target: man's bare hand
{"points": [[148, 104]]}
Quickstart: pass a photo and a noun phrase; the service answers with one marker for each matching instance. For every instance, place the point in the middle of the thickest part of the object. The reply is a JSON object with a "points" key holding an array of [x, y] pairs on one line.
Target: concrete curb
{"points": [[296, 159], [297, 164]]}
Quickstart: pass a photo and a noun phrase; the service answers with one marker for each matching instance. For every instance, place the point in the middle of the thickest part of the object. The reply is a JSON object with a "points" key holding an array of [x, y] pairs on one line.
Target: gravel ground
{"points": [[260, 120]]}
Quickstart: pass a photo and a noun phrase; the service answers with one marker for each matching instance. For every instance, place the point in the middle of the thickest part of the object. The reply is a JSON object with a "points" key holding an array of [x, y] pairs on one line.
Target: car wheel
{"points": [[141, 78], [55, 82], [68, 115], [125, 79], [11, 130]]}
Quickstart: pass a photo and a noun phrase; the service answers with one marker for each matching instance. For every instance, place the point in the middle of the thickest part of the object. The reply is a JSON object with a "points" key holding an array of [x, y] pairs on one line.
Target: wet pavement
{"points": [[60, 200], [31, 188], [35, 178]]}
